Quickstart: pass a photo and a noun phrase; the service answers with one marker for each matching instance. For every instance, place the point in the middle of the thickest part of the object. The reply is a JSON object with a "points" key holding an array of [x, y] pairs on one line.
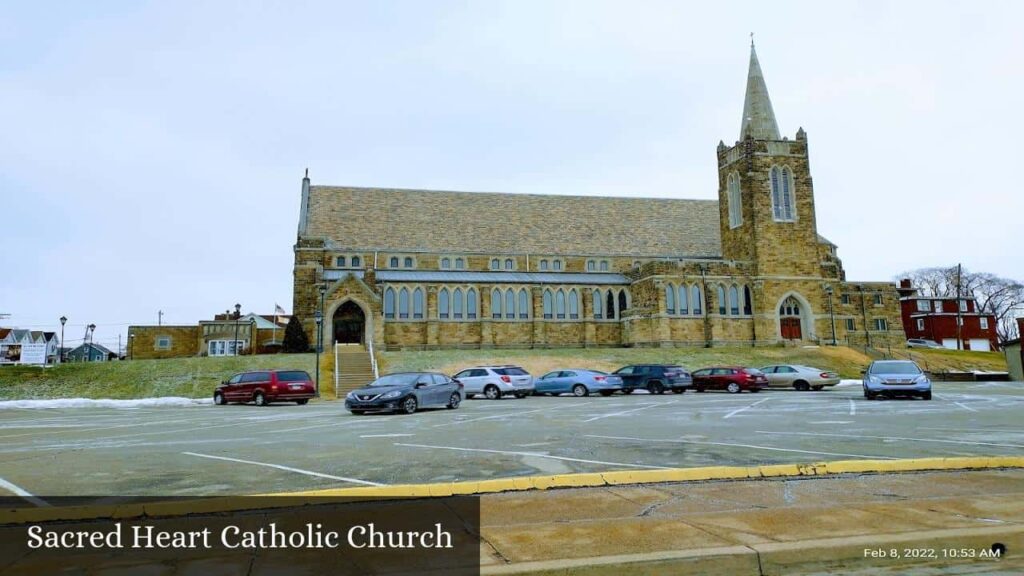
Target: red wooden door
{"points": [[791, 329]]}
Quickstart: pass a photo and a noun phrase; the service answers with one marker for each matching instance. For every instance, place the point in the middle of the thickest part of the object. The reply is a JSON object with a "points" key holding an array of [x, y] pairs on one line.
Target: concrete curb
{"points": [[583, 480], [820, 555]]}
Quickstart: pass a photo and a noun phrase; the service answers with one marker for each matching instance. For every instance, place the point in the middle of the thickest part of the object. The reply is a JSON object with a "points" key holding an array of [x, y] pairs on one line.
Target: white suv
{"points": [[495, 381]]}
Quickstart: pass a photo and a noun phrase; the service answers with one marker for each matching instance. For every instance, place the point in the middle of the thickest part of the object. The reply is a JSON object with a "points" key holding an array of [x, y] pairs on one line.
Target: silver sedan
{"points": [[799, 377]]}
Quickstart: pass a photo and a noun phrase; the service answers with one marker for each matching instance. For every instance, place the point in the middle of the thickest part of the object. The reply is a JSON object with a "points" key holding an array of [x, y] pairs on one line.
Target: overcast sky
{"points": [[151, 152]]}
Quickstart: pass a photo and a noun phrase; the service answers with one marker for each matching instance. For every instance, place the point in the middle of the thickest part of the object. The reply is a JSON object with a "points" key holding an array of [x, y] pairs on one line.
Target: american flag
{"points": [[278, 309]]}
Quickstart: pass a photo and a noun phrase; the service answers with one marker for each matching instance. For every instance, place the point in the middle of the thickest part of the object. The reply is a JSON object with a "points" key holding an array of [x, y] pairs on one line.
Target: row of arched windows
{"points": [[609, 305], [403, 303], [734, 300], [508, 304], [509, 264], [407, 262], [683, 300], [355, 262]]}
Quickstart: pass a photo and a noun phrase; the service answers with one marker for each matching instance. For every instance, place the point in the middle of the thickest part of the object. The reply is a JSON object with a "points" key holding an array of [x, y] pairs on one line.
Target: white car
{"points": [[922, 343], [799, 377], [496, 381]]}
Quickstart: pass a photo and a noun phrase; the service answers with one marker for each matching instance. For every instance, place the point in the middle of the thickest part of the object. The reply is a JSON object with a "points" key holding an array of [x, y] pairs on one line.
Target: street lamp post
{"points": [[234, 344], [320, 332], [831, 314], [131, 346], [89, 332], [319, 318], [63, 321]]}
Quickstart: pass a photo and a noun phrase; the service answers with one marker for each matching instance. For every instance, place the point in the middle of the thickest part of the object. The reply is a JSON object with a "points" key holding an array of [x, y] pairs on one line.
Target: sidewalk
{"points": [[785, 526]]}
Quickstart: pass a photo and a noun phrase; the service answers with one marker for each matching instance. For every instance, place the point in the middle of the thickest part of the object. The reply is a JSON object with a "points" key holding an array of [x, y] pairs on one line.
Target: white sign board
{"points": [[33, 353]]}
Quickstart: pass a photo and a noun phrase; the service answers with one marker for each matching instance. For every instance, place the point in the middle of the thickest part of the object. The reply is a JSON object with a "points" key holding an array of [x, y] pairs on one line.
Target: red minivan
{"points": [[265, 386]]}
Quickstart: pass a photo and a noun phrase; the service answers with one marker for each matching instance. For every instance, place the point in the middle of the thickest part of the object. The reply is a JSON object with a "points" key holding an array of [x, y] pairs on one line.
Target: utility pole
{"points": [[959, 318], [159, 317]]}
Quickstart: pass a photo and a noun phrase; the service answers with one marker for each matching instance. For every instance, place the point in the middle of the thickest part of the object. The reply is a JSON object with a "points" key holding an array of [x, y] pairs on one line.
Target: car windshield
{"points": [[895, 368], [510, 372], [293, 376], [396, 380], [753, 371]]}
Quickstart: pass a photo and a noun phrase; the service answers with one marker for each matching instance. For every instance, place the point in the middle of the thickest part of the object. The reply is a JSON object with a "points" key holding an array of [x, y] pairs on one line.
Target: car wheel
{"points": [[358, 412], [817, 388], [409, 405], [302, 402], [454, 401], [521, 395], [606, 392], [801, 386], [655, 388], [259, 399], [926, 396], [869, 395], [734, 388], [580, 391], [627, 391], [492, 392], [218, 399], [701, 390]]}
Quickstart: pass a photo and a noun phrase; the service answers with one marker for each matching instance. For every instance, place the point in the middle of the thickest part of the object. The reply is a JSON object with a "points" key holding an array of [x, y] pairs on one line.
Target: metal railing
{"points": [[336, 371], [373, 359]]}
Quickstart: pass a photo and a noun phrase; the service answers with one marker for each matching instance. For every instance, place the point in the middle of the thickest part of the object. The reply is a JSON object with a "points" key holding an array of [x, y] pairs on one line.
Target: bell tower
{"points": [[765, 192]]}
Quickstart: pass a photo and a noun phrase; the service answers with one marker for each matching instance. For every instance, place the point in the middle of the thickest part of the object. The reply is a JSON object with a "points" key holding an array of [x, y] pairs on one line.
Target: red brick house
{"points": [[935, 318]]}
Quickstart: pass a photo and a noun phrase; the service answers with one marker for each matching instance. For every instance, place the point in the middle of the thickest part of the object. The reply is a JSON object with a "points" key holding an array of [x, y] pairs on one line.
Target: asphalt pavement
{"points": [[210, 450]]}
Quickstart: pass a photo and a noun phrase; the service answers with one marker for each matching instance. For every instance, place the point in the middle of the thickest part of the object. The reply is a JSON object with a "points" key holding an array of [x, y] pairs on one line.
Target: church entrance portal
{"points": [[349, 324], [789, 319]]}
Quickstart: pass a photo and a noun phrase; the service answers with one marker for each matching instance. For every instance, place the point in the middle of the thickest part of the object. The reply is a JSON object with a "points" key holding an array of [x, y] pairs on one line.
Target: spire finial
{"points": [[751, 39], [307, 173]]}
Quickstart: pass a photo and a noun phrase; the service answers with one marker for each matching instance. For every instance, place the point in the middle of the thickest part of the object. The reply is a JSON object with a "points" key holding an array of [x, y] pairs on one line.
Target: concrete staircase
{"points": [[354, 368]]}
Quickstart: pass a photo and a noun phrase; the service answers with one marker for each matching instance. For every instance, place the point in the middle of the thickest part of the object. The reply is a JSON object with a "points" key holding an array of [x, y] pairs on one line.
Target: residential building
{"points": [[90, 352], [227, 334], [945, 319]]}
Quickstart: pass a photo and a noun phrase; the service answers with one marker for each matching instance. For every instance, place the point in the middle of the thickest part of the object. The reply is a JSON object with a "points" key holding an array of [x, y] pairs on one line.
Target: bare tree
{"points": [[1000, 297]]}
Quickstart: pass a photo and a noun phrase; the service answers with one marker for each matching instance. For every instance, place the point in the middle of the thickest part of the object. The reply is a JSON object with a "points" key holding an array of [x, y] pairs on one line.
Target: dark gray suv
{"points": [[405, 392]]}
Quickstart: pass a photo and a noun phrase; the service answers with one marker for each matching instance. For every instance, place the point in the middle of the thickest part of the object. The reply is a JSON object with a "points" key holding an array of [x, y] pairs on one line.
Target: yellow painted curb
{"points": [[523, 483]]}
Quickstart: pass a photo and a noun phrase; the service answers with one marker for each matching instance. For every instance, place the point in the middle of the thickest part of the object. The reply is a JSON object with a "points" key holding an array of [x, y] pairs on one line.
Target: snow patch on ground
{"points": [[105, 403], [849, 383]]}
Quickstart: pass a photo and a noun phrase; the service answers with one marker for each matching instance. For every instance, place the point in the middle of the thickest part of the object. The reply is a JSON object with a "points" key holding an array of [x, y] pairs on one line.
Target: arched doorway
{"points": [[349, 324], [789, 319]]}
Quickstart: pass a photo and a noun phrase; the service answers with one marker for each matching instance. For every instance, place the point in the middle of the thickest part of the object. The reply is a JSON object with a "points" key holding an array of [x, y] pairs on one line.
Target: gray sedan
{"points": [[405, 392], [578, 381], [799, 377]]}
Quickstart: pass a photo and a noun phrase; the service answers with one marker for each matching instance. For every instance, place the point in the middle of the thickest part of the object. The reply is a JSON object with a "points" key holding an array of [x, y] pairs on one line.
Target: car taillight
{"points": [[273, 386], [825, 375], [506, 379], [599, 378]]}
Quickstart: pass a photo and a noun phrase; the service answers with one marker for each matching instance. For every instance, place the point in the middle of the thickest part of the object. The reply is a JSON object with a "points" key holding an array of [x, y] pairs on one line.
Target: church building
{"points": [[423, 269]]}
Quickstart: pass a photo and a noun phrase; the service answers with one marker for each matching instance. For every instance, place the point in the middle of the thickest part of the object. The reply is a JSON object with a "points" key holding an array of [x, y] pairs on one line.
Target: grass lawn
{"points": [[197, 377]]}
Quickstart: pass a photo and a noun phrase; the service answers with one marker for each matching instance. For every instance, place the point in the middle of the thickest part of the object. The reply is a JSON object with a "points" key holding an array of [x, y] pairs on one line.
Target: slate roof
{"points": [[484, 222]]}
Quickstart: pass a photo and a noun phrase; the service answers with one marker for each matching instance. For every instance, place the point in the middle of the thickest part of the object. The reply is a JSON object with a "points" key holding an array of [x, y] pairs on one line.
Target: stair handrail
{"points": [[335, 370], [373, 360]]}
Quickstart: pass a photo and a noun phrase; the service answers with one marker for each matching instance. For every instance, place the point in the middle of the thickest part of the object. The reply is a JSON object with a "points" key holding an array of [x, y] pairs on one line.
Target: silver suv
{"points": [[496, 381]]}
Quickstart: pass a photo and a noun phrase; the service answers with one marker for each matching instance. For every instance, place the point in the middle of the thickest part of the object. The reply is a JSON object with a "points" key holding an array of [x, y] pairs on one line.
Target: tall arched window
{"points": [[604, 265], [543, 264], [598, 305], [560, 304], [495, 264], [623, 304], [403, 303], [735, 200], [609, 305], [356, 262], [721, 300], [442, 303], [389, 303], [394, 262], [591, 265], [574, 305], [734, 301], [547, 304], [341, 261], [782, 194], [509, 264], [510, 304], [460, 263], [495, 303], [446, 263], [670, 299], [457, 303], [684, 300], [556, 265], [695, 297], [471, 303], [408, 262], [524, 303], [748, 306], [417, 303]]}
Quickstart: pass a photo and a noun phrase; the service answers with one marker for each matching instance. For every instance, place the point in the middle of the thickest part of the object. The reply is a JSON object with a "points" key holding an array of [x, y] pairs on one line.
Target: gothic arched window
{"points": [[560, 304], [783, 208], [509, 264], [721, 300], [495, 303], [442, 303], [389, 303], [524, 303], [609, 306], [790, 307], [697, 300], [574, 305], [356, 262], [417, 303], [748, 305], [457, 303], [598, 305], [684, 300], [394, 262], [408, 262], [735, 200], [547, 304], [510, 304], [446, 263], [734, 301], [670, 299], [623, 304], [471, 303], [403, 303]]}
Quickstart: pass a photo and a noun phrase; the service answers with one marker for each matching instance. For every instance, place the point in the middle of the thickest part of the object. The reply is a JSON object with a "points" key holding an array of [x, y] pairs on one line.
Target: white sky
{"points": [[151, 153]]}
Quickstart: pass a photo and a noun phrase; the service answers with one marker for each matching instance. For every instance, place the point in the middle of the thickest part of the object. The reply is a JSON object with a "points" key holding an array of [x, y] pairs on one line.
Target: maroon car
{"points": [[265, 386], [735, 379]]}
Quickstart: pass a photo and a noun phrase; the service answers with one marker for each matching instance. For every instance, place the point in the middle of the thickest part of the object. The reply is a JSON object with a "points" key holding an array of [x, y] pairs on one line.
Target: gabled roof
{"points": [[483, 222], [98, 347], [4, 332]]}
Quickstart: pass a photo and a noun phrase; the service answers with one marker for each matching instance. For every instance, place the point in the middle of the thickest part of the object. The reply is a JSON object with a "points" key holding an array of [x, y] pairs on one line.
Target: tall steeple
{"points": [[758, 116]]}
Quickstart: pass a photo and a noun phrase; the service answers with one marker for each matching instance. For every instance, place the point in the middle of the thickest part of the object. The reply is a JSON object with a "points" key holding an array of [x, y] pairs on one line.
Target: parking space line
{"points": [[384, 435], [734, 445], [738, 410], [19, 491], [893, 438], [532, 454], [285, 468], [493, 416], [598, 417], [960, 404], [853, 407]]}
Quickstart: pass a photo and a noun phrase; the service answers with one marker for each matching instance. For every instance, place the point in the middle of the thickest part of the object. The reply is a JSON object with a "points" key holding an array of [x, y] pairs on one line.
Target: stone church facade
{"points": [[416, 269]]}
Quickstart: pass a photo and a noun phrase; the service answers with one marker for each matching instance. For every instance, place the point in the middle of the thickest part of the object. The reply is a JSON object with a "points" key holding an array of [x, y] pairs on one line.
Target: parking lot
{"points": [[207, 450]]}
